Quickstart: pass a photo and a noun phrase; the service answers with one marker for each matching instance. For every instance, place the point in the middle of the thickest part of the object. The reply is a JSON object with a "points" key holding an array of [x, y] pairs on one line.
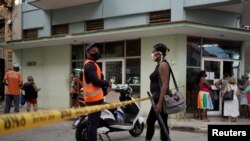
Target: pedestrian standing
{"points": [[245, 89], [222, 83], [204, 101], [92, 88], [231, 107], [31, 91], [74, 90], [159, 86], [13, 79]]}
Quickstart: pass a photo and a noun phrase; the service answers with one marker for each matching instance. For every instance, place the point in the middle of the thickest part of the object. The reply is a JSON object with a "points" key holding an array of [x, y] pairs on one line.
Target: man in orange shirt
{"points": [[13, 79]]}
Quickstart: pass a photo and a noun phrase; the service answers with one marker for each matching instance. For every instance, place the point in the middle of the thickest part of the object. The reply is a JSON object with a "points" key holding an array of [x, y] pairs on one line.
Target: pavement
{"points": [[187, 123], [195, 125]]}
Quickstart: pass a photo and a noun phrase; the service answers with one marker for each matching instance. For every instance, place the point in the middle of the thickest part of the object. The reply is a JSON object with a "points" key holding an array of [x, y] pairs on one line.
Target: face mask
{"points": [[153, 57], [96, 55]]}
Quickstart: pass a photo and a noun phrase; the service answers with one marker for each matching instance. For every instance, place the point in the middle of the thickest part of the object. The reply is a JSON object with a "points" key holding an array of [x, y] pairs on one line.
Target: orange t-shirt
{"points": [[13, 79]]}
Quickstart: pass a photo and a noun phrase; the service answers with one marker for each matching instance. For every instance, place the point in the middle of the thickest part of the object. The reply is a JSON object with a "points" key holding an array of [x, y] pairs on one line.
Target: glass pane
{"points": [[232, 67], [133, 70], [193, 54], [136, 91], [213, 73], [114, 71], [113, 49], [213, 70], [77, 52], [192, 89], [77, 67], [216, 100], [133, 48], [221, 49]]}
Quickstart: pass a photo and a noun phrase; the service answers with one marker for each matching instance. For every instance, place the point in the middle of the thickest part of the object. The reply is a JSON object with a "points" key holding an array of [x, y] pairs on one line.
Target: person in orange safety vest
{"points": [[93, 85]]}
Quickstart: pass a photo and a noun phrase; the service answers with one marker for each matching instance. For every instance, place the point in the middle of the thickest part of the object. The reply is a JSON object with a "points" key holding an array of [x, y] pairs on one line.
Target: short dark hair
{"points": [[30, 78], [161, 48], [226, 75], [202, 73], [16, 68]]}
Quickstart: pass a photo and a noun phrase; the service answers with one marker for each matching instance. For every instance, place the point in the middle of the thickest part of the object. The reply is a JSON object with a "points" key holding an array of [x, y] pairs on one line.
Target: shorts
{"points": [[73, 96], [32, 101]]}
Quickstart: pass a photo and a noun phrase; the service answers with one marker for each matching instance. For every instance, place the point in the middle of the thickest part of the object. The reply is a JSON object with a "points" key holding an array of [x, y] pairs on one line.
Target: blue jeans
{"points": [[8, 101]]}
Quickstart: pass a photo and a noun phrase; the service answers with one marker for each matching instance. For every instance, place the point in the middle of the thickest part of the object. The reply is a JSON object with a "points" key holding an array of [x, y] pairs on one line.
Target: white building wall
{"points": [[176, 57], [51, 73]]}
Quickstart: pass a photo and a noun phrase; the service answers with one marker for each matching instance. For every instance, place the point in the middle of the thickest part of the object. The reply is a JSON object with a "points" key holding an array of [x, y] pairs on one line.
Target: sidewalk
{"points": [[195, 125]]}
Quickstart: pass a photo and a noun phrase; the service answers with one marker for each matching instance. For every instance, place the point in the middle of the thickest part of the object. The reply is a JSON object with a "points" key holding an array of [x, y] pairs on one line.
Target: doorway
{"points": [[215, 69], [113, 69]]}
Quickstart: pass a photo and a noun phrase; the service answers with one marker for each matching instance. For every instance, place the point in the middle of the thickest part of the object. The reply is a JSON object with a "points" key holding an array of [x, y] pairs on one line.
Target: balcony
{"points": [[242, 8], [57, 4]]}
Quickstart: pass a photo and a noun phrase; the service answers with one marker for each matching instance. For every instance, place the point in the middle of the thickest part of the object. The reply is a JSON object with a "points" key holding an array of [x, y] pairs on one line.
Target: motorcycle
{"points": [[125, 118]]}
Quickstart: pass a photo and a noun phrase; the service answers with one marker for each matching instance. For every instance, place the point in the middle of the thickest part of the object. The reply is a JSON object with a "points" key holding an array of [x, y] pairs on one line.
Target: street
{"points": [[62, 131]]}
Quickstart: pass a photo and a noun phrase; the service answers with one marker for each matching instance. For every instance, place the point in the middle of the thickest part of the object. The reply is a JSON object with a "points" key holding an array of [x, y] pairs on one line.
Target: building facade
{"points": [[48, 38]]}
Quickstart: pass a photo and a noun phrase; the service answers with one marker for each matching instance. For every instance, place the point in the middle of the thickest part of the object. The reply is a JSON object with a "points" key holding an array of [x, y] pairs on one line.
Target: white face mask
{"points": [[153, 56]]}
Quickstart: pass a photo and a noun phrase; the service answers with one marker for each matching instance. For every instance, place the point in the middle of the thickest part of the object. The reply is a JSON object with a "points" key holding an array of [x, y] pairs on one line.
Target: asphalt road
{"points": [[62, 131]]}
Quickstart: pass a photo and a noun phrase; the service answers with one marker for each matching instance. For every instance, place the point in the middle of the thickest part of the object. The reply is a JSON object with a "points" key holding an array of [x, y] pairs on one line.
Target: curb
{"points": [[189, 129]]}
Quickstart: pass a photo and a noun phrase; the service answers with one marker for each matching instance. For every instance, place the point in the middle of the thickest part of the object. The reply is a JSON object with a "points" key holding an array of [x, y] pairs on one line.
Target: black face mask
{"points": [[96, 55]]}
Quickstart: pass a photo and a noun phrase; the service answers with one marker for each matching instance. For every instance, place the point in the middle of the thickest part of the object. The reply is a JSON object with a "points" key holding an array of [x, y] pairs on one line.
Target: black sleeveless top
{"points": [[155, 87]]}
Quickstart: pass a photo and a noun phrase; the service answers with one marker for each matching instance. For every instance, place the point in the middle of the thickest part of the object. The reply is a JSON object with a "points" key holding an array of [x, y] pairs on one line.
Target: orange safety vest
{"points": [[92, 93]]}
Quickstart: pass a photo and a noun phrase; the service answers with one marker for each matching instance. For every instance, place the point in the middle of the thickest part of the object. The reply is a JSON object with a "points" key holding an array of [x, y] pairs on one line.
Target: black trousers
{"points": [[152, 118], [93, 122]]}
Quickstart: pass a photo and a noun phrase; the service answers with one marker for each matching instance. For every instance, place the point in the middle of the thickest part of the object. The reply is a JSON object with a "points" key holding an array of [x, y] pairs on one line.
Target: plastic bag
{"points": [[23, 99]]}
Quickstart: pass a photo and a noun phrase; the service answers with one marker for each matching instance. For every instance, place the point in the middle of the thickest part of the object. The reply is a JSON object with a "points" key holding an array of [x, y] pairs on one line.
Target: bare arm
{"points": [[164, 76], [238, 92], [35, 87], [4, 82], [218, 83], [224, 90]]}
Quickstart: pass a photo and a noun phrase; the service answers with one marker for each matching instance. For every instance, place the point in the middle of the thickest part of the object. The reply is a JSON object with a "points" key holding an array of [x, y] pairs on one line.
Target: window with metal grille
{"points": [[30, 33], [94, 25], [60, 29], [159, 17]]}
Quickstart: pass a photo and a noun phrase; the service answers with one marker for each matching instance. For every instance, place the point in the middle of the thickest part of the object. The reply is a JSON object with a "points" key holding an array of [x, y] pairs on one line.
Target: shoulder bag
{"points": [[23, 98], [229, 95], [174, 102]]}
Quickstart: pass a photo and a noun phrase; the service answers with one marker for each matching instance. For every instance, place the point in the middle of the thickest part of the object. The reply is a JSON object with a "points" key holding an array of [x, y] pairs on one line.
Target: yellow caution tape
{"points": [[10, 123]]}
